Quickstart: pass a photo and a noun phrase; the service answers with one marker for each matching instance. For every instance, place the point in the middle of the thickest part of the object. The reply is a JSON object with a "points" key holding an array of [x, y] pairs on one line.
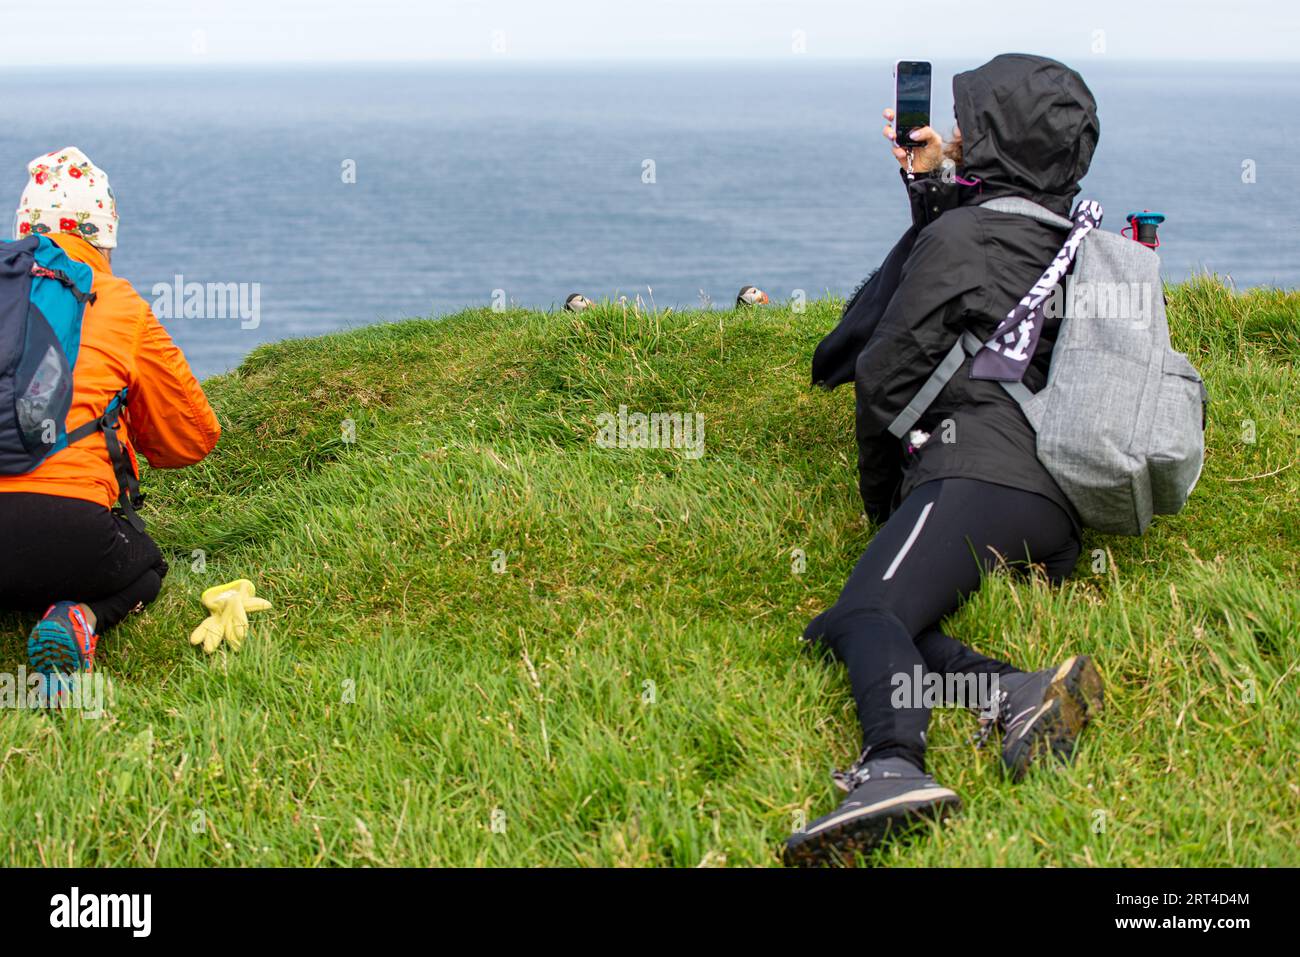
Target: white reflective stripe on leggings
{"points": [[907, 545]]}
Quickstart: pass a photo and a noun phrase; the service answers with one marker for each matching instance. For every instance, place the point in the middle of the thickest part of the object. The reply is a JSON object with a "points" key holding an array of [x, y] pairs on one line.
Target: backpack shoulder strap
{"points": [[966, 345], [129, 497]]}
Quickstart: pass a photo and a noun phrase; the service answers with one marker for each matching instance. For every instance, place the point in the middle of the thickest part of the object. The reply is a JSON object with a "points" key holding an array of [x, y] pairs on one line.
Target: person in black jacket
{"points": [[963, 492]]}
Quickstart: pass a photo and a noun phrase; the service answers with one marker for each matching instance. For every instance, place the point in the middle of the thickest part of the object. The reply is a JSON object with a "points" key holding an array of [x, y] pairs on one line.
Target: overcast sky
{"points": [[70, 32]]}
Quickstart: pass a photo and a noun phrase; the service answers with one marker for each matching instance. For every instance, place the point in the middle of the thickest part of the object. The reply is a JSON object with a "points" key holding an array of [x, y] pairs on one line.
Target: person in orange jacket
{"points": [[63, 547]]}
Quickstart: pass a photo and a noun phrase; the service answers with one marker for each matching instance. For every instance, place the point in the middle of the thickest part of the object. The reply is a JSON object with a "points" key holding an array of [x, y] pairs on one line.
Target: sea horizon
{"points": [[504, 180]]}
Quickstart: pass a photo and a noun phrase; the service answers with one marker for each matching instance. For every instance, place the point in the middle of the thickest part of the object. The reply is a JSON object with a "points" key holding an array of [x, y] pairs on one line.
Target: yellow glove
{"points": [[229, 605]]}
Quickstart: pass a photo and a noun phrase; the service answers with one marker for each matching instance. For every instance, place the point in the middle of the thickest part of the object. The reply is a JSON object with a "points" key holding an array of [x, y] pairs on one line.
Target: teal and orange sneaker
{"points": [[61, 644]]}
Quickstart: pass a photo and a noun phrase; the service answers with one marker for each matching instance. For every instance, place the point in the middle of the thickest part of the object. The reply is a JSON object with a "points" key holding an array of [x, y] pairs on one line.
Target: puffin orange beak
{"points": [[764, 297]]}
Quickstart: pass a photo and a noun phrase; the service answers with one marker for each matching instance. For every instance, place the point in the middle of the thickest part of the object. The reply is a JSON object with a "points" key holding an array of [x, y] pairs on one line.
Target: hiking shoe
{"points": [[61, 644], [887, 798], [1042, 712]]}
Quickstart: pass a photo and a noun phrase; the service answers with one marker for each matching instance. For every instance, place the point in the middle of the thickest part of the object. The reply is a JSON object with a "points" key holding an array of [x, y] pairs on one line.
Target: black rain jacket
{"points": [[1029, 127]]}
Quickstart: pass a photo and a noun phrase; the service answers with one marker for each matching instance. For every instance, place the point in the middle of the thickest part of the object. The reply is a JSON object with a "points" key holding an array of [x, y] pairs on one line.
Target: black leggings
{"points": [[925, 560], [65, 549]]}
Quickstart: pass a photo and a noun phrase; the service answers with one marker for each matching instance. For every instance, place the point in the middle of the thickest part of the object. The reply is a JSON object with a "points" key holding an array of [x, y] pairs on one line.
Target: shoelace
{"points": [[855, 775], [1002, 720], [990, 722]]}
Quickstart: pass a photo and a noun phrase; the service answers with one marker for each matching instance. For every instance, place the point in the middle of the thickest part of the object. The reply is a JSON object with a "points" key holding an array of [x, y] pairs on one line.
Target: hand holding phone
{"points": [[912, 137], [926, 149], [911, 99]]}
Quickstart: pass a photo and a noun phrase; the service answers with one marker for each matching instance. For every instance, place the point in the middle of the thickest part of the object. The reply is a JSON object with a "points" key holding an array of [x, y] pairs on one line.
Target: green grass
{"points": [[629, 689]]}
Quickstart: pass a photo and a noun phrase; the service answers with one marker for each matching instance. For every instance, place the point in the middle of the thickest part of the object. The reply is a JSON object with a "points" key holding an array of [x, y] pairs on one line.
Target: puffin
{"points": [[577, 302], [751, 296]]}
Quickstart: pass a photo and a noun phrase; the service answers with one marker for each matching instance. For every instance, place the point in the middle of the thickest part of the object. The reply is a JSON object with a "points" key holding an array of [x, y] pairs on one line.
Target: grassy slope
{"points": [[527, 690]]}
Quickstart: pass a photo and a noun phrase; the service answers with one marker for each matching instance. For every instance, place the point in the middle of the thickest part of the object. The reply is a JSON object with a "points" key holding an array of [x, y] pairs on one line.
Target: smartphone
{"points": [[911, 99]]}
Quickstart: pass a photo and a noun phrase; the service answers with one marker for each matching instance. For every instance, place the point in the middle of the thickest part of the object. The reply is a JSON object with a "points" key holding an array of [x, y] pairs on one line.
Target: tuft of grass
{"points": [[495, 642]]}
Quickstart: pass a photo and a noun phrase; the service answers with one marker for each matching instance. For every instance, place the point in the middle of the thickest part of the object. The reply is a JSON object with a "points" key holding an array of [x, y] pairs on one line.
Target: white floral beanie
{"points": [[66, 193]]}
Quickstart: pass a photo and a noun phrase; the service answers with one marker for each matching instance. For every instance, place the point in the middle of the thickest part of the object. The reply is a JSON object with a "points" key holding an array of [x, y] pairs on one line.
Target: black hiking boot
{"points": [[1042, 712], [887, 798]]}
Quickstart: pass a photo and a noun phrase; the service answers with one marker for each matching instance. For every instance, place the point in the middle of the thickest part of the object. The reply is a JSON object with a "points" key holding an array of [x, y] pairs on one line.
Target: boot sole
{"points": [[863, 832], [53, 653], [1074, 697]]}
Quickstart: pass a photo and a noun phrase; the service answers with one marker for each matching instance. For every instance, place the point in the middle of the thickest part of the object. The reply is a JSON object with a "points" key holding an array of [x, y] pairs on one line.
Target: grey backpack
{"points": [[1120, 423]]}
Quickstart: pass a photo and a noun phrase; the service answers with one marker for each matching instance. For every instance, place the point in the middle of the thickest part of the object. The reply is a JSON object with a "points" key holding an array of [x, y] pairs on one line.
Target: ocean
{"points": [[680, 182]]}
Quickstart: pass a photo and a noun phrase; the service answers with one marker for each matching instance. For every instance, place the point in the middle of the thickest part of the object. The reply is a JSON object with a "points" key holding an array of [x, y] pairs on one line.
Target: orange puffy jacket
{"points": [[167, 416]]}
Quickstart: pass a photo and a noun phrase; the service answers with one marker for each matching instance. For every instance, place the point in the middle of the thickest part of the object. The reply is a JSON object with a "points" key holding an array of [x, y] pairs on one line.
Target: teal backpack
{"points": [[43, 299]]}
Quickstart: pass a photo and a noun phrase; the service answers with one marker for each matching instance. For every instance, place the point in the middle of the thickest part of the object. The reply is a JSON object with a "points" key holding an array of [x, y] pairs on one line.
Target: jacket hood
{"points": [[1028, 126]]}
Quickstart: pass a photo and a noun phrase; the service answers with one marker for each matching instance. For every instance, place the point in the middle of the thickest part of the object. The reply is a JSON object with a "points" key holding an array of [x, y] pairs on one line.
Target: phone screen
{"points": [[911, 98]]}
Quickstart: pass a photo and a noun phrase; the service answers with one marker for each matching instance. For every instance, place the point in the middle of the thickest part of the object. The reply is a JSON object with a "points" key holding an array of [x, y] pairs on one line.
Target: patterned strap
{"points": [[1007, 354]]}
